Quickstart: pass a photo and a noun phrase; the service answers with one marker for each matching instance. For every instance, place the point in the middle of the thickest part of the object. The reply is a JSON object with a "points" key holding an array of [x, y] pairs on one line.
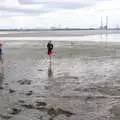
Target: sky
{"points": [[58, 13]]}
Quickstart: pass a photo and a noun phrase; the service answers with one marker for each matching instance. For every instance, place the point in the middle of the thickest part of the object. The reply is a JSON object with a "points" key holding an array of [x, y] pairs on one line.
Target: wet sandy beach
{"points": [[82, 82]]}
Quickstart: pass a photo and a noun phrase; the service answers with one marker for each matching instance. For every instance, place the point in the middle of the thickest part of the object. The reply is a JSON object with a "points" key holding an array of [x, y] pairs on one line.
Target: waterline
{"points": [[94, 38]]}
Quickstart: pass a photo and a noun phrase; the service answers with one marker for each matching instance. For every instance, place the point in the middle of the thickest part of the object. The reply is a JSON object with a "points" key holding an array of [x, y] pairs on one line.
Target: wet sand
{"points": [[81, 82]]}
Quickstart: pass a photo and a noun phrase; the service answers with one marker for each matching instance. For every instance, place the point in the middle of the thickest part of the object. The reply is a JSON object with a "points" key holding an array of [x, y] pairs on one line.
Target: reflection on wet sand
{"points": [[54, 85], [50, 72]]}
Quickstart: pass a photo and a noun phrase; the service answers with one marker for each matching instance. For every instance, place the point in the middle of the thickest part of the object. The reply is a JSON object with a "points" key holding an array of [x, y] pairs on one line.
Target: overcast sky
{"points": [[64, 13]]}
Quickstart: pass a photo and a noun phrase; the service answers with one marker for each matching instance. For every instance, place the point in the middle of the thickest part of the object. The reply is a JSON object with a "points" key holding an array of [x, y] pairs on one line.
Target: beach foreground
{"points": [[82, 81]]}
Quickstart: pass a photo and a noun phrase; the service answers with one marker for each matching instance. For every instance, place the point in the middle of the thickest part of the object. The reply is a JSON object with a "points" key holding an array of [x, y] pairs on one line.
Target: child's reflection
{"points": [[50, 72]]}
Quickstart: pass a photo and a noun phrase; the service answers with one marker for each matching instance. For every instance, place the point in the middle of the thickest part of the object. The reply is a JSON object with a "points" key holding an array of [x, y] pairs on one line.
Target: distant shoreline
{"points": [[19, 30], [56, 33]]}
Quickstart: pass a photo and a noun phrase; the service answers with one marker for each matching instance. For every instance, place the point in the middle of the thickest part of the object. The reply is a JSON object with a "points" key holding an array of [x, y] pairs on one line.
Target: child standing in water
{"points": [[50, 48]]}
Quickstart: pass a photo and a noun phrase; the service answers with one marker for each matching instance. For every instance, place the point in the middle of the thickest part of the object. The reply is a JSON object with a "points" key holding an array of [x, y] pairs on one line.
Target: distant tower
{"points": [[106, 26], [107, 21], [101, 26]]}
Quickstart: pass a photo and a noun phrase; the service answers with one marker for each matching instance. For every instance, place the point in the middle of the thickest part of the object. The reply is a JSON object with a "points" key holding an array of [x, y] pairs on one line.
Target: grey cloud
{"points": [[65, 5], [26, 2], [50, 6], [22, 10], [54, 5]]}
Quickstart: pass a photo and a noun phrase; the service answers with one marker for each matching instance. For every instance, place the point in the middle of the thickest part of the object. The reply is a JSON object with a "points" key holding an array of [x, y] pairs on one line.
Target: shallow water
{"points": [[82, 78], [63, 35]]}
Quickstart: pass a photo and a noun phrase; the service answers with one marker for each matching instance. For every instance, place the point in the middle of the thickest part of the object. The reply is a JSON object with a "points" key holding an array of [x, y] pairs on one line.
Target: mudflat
{"points": [[81, 82]]}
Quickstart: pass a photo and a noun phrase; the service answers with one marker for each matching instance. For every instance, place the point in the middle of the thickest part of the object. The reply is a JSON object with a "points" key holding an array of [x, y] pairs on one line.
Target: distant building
{"points": [[117, 27], [105, 27]]}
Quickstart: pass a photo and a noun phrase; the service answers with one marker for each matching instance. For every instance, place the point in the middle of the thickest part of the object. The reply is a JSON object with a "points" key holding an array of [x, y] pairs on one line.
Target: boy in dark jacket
{"points": [[50, 48]]}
